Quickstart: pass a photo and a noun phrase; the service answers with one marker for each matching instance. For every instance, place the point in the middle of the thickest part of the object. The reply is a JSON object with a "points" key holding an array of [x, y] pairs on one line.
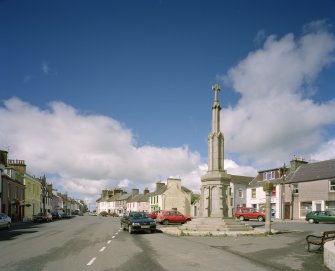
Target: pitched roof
{"points": [[241, 179], [313, 172], [124, 197], [114, 198], [141, 197], [186, 189], [164, 188], [160, 191], [258, 182]]}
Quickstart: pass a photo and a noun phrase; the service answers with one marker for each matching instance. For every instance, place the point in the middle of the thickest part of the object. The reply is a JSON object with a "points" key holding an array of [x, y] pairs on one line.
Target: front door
{"points": [[287, 211], [318, 207]]}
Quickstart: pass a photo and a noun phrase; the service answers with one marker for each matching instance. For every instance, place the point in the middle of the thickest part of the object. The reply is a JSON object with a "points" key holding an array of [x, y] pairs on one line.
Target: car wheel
{"points": [[153, 231], [311, 221], [241, 217], [260, 219], [130, 229], [165, 222], [8, 225]]}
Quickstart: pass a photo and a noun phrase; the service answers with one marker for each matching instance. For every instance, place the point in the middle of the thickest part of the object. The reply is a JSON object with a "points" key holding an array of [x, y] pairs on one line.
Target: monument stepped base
{"points": [[215, 224]]}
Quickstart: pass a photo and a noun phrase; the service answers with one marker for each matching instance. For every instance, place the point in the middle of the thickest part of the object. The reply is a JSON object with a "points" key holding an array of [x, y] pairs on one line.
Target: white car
{"points": [[5, 221]]}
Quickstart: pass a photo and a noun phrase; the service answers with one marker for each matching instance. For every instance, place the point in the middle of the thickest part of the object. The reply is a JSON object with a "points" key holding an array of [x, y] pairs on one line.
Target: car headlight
{"points": [[153, 223], [136, 224]]}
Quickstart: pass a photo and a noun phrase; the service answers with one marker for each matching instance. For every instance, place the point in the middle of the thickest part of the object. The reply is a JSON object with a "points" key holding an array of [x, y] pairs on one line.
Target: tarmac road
{"points": [[98, 243]]}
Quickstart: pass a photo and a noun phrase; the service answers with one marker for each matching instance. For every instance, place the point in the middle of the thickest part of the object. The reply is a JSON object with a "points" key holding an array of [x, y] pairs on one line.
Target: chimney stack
{"points": [[297, 162], [159, 185]]}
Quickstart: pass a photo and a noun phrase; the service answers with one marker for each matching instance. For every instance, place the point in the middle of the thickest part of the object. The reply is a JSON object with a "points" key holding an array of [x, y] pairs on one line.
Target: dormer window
{"points": [[270, 175]]}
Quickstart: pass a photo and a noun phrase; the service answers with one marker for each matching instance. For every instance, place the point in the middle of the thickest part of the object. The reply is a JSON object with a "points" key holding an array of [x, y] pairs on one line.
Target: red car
{"points": [[171, 216], [246, 213], [153, 214], [42, 217]]}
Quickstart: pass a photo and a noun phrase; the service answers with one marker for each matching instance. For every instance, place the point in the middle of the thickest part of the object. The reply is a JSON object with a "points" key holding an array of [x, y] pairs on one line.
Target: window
{"points": [[270, 175], [240, 193], [253, 193], [332, 185], [305, 208], [330, 206], [295, 188]]}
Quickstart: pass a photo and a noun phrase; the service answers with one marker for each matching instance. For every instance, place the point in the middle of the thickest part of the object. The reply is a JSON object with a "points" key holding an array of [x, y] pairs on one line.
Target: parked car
{"points": [[42, 217], [172, 216], [320, 216], [138, 221], [75, 212], [56, 215], [246, 213], [153, 214], [5, 221], [103, 213]]}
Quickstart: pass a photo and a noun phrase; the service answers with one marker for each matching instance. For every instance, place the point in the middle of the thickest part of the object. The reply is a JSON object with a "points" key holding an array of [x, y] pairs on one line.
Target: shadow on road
{"points": [[18, 229]]}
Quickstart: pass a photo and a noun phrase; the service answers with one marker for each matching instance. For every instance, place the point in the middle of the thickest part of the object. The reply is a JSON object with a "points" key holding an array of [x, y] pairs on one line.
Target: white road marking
{"points": [[109, 241], [102, 249], [113, 237], [116, 233], [91, 261]]}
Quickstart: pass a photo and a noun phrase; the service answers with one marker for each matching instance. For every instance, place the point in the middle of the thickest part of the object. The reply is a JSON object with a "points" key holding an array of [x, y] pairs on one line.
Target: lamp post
{"points": [[267, 187]]}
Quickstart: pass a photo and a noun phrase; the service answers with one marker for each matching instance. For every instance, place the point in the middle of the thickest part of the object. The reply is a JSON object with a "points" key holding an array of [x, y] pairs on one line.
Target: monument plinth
{"points": [[213, 209]]}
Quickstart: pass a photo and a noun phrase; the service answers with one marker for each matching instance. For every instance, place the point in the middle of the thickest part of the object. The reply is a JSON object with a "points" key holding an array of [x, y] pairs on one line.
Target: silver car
{"points": [[5, 221]]}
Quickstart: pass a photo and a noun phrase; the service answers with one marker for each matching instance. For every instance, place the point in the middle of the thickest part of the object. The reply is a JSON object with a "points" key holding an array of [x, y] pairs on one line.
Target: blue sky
{"points": [[103, 93]]}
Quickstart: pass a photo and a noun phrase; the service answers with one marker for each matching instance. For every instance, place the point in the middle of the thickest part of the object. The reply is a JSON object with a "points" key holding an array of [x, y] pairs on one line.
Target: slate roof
{"points": [[186, 189], [164, 188], [114, 198], [159, 191], [313, 172], [124, 197], [141, 198], [258, 180], [258, 183], [241, 179]]}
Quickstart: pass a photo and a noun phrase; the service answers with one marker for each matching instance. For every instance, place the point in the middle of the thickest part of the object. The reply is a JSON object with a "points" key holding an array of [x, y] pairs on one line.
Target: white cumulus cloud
{"points": [[276, 116], [85, 153]]}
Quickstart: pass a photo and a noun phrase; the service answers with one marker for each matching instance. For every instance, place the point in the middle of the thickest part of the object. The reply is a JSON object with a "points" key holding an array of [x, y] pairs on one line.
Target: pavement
{"points": [[285, 249]]}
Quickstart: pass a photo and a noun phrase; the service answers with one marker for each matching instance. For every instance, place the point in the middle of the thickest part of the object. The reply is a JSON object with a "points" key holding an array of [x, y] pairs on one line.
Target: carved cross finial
{"points": [[216, 89]]}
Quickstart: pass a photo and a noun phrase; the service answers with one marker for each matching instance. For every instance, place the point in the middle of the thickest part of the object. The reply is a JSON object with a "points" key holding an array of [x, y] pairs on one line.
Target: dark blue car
{"points": [[138, 221]]}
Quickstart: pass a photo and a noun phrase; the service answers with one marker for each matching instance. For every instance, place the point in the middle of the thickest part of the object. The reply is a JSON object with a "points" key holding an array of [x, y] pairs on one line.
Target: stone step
{"points": [[216, 224]]}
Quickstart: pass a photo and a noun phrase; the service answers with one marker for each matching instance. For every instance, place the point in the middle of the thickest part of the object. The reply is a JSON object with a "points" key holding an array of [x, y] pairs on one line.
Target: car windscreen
{"points": [[138, 215]]}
